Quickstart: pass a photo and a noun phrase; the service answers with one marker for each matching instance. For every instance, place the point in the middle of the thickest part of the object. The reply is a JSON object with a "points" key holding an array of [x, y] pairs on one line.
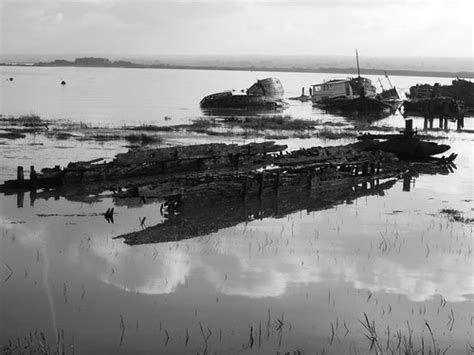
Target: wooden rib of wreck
{"points": [[249, 169], [151, 162], [265, 94]]}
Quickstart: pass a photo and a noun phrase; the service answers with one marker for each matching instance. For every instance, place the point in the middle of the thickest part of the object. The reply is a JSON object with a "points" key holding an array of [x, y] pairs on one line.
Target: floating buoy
{"points": [[11, 79], [63, 82]]}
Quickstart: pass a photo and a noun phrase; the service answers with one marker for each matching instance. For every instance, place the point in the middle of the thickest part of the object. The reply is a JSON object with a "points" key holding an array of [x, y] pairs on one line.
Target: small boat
{"points": [[264, 94], [390, 96]]}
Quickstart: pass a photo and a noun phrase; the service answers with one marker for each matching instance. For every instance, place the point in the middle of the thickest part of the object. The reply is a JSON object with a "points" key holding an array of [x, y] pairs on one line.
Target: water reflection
{"points": [[359, 117], [194, 217], [252, 253], [253, 247], [226, 112]]}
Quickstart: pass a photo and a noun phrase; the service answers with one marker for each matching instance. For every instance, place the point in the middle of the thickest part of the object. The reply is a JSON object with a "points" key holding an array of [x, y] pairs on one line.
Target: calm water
{"points": [[299, 278], [131, 96]]}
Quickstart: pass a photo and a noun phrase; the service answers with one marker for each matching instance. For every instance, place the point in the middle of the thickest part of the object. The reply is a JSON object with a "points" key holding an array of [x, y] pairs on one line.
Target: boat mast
{"points": [[386, 75], [357, 58], [359, 80]]}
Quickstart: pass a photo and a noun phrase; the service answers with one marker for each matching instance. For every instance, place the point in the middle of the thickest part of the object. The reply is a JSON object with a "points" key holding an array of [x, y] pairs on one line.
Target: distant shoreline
{"points": [[350, 71]]}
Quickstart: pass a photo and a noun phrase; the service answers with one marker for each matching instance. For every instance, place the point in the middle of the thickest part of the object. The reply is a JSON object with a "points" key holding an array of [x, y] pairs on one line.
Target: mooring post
{"points": [[406, 182], [302, 91], [310, 92], [425, 123], [408, 127], [19, 174], [441, 122], [445, 123], [32, 173], [261, 181]]}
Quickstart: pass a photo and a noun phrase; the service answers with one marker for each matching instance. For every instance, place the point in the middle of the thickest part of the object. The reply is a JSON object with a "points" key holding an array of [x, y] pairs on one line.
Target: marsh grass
{"points": [[37, 343], [456, 216], [269, 122], [329, 133], [400, 343]]}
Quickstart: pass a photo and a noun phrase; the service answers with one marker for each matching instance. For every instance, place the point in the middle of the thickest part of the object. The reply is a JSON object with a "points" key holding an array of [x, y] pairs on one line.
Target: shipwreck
{"points": [[265, 94], [235, 182], [453, 101]]}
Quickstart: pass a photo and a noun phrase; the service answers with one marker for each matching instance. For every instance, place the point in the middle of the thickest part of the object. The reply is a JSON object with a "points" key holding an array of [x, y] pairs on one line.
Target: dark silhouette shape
{"points": [[63, 82]]}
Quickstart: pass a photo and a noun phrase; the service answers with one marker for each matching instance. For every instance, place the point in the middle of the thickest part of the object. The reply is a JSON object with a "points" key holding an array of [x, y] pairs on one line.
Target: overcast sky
{"points": [[234, 27]]}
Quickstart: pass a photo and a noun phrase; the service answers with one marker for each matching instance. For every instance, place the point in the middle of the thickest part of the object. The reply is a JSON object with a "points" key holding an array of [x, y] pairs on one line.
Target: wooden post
{"points": [[406, 182], [408, 127], [302, 91], [32, 174], [19, 174]]}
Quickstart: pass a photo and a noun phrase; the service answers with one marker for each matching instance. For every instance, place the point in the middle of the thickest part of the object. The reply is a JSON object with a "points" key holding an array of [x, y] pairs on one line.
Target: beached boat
{"points": [[390, 96], [354, 94], [264, 94], [351, 94]]}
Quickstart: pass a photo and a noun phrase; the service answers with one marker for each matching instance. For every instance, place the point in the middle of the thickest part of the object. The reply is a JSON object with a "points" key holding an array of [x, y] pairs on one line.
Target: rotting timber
{"points": [[249, 168], [210, 186], [224, 179]]}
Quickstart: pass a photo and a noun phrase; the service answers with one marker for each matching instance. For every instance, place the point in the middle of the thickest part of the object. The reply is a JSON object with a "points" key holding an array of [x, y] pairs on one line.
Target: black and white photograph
{"points": [[206, 177]]}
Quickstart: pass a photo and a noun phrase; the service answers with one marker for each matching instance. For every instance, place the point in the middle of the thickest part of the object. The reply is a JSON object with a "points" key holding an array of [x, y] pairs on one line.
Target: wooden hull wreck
{"points": [[266, 94]]}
